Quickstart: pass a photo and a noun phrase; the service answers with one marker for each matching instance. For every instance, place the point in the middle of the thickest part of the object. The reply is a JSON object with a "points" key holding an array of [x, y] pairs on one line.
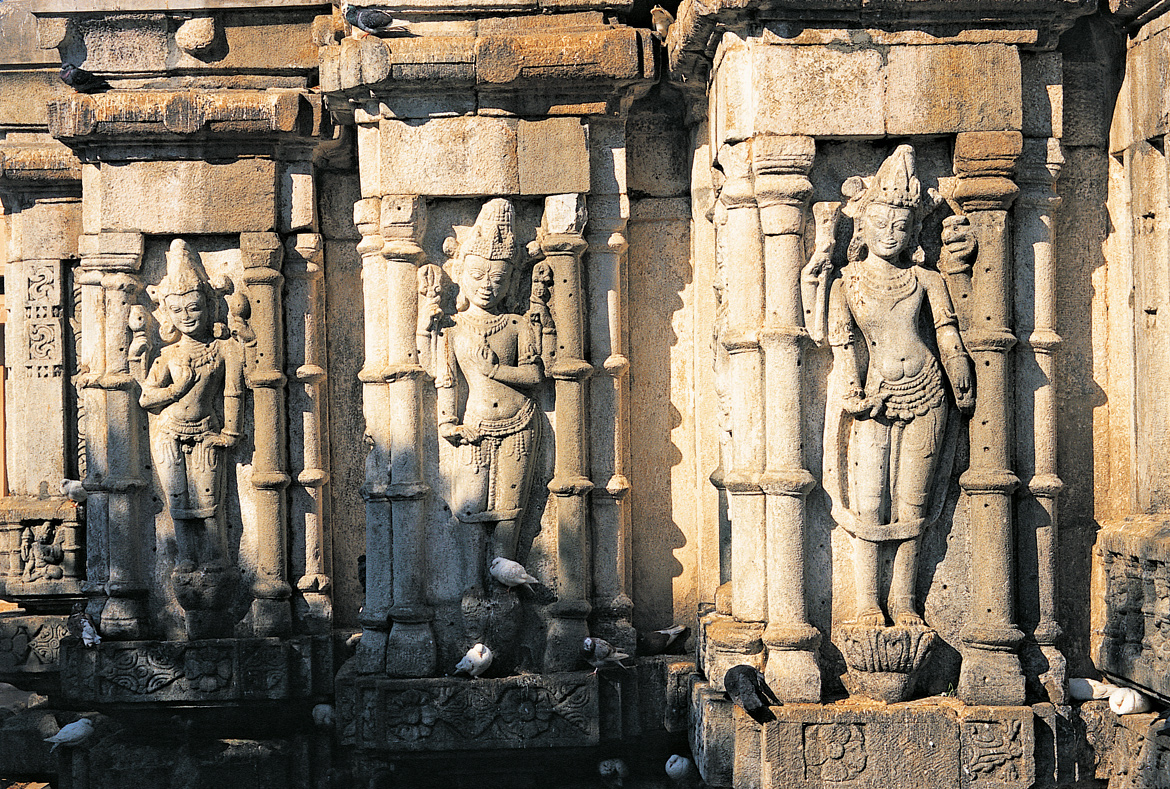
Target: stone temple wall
{"points": [[362, 392]]}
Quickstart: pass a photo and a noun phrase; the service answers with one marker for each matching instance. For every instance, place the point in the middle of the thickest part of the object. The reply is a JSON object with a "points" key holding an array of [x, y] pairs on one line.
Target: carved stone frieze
{"points": [[209, 671], [42, 563], [30, 644], [997, 747], [547, 710]]}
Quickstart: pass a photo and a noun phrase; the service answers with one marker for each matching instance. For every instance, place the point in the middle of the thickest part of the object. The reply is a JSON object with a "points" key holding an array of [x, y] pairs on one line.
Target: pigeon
{"points": [[477, 660], [613, 772], [74, 491], [682, 771], [662, 20], [323, 715], [1127, 701], [600, 654], [510, 573], [81, 80], [746, 687], [72, 735], [1083, 689], [89, 634], [658, 641], [76, 617], [371, 21]]}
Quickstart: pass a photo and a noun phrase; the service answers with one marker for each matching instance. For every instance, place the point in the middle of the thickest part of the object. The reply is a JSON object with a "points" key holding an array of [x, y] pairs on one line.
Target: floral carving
{"points": [[526, 712], [143, 671], [411, 715], [31, 644], [834, 751], [993, 749], [209, 669]]}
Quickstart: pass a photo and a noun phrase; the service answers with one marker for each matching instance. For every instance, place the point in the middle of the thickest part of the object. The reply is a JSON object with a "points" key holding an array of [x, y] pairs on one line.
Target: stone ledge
{"points": [[457, 714], [215, 671]]}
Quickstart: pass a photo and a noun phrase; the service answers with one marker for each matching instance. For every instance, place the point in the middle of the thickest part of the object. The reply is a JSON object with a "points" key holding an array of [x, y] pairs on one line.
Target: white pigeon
{"points": [[682, 771], [323, 715], [72, 735], [510, 573], [1084, 689], [477, 660], [74, 491], [1127, 701], [89, 634]]}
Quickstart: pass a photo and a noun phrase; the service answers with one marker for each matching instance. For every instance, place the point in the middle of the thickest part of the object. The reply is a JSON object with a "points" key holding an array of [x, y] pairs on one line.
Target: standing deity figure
{"points": [[195, 388], [498, 357], [891, 430]]}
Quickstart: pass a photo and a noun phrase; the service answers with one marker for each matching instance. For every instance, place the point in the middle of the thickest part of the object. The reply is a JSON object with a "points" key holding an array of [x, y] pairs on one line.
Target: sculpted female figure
{"points": [[888, 455], [499, 359], [195, 388]]}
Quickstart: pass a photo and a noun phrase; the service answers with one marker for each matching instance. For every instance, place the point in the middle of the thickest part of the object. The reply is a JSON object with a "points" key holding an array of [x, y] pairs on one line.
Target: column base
{"points": [[124, 619], [271, 617], [728, 642], [793, 675], [991, 678], [562, 651], [410, 650], [1046, 672]]}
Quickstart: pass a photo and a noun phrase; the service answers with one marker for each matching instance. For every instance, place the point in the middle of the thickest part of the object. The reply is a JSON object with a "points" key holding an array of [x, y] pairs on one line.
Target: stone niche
{"points": [[879, 222]]}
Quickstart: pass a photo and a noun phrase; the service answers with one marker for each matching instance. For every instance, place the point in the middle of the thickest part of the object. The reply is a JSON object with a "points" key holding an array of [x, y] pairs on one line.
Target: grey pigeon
{"points": [[323, 715], [81, 80], [600, 654], [656, 642], [510, 573], [72, 735], [373, 22], [74, 491], [613, 772], [746, 687], [477, 660]]}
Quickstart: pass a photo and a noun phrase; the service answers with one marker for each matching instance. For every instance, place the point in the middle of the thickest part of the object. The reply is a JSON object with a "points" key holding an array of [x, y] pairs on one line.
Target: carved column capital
{"points": [[780, 166], [985, 163], [737, 189], [261, 250], [111, 251]]}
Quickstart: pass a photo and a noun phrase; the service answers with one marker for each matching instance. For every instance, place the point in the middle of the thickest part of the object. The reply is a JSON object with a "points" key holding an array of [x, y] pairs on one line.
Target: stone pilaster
{"points": [[740, 240], [1036, 418], [782, 189], [562, 241], [609, 214], [263, 254], [991, 671], [115, 458], [308, 425], [410, 650]]}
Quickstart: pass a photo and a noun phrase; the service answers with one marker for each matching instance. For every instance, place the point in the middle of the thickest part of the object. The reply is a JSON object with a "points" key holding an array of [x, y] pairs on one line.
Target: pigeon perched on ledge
{"points": [[477, 660], [74, 491], [74, 734], [81, 80], [600, 654], [373, 22], [746, 687], [510, 573]]}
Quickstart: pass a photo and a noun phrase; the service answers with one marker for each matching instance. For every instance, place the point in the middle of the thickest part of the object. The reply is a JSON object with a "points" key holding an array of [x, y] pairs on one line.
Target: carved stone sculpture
{"points": [[496, 355], [194, 389], [41, 552], [890, 433]]}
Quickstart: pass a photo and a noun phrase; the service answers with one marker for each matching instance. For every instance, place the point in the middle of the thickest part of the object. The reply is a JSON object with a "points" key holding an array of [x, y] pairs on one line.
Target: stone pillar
{"points": [[263, 254], [609, 211], [741, 247], [782, 190], [410, 650], [115, 455], [308, 424], [562, 242], [375, 614], [1035, 382], [991, 671]]}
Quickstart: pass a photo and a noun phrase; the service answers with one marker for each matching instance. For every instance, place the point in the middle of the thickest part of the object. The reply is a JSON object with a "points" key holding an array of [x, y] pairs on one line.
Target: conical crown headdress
{"points": [[895, 184], [185, 272], [493, 237]]}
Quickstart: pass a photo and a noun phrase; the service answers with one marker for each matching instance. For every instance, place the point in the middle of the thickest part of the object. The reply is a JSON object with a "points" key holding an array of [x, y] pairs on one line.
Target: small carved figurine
{"points": [[41, 553], [195, 388], [890, 433]]}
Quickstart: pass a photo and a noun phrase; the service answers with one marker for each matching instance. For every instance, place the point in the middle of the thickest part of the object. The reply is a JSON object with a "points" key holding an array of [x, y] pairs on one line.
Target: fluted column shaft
{"points": [[782, 190], [562, 242], [991, 672]]}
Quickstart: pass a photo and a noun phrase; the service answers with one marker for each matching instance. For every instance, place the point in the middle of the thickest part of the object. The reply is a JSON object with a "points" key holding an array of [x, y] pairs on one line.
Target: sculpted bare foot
{"points": [[871, 617], [908, 618]]}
